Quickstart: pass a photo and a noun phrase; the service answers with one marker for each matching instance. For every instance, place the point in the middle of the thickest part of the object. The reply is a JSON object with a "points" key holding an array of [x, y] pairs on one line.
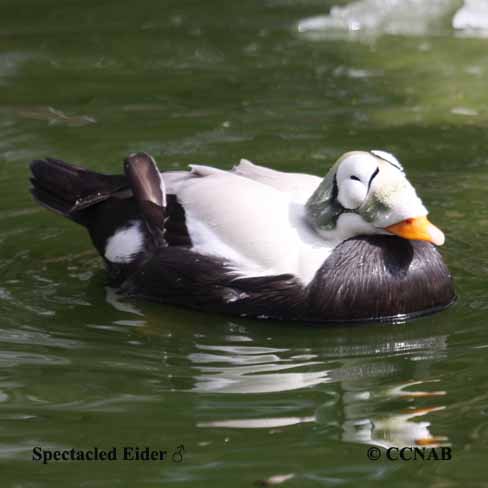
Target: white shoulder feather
{"points": [[203, 170], [299, 186]]}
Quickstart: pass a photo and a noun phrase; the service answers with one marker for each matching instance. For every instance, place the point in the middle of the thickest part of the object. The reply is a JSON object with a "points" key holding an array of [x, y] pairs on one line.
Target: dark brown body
{"points": [[367, 278]]}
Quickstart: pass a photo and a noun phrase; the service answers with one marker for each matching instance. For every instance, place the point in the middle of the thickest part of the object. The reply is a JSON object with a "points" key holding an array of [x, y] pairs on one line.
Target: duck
{"points": [[353, 246]]}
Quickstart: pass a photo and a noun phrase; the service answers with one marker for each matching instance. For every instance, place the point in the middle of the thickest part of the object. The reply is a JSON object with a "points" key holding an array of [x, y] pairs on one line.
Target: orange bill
{"points": [[418, 229]]}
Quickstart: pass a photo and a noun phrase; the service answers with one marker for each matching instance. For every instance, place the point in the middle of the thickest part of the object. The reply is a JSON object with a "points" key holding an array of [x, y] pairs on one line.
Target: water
{"points": [[211, 83]]}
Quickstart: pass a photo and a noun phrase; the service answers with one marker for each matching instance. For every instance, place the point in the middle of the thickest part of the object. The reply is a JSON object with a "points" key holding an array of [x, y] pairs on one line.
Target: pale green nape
{"points": [[322, 208], [372, 207]]}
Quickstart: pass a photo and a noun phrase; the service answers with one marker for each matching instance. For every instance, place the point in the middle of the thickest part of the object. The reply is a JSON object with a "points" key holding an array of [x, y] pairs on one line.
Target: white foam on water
{"points": [[472, 16], [401, 17], [406, 17]]}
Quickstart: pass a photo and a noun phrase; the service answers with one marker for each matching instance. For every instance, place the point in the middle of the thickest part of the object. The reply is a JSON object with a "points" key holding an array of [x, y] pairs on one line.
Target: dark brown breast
{"points": [[380, 277]]}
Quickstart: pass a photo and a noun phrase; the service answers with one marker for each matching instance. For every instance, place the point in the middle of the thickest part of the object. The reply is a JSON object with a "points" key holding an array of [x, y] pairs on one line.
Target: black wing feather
{"points": [[148, 189], [66, 188]]}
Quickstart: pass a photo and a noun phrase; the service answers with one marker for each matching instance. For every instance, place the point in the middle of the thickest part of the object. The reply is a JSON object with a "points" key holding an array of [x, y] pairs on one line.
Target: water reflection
{"points": [[391, 429], [363, 395], [363, 376], [250, 369], [394, 431]]}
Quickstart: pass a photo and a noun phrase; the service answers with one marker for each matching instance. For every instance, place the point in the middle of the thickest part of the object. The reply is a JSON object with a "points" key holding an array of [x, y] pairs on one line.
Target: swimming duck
{"points": [[355, 245]]}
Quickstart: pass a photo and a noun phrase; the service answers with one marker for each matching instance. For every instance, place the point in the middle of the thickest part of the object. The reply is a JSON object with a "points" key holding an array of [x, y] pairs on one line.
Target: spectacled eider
{"points": [[353, 246]]}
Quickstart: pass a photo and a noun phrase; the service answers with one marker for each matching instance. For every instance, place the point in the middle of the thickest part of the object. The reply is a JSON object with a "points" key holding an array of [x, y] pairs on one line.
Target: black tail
{"points": [[69, 189]]}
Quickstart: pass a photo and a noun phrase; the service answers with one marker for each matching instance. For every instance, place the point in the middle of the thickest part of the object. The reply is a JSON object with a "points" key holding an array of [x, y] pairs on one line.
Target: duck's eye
{"points": [[353, 177]]}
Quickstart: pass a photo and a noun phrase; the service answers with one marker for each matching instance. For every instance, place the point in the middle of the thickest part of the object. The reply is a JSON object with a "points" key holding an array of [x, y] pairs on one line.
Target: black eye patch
{"points": [[355, 178], [335, 189], [373, 176]]}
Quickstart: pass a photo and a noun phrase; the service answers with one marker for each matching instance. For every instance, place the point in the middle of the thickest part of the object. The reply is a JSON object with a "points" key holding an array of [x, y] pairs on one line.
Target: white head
{"points": [[368, 193]]}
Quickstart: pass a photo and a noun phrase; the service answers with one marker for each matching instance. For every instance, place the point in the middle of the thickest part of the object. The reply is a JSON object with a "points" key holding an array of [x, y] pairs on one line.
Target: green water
{"points": [[211, 82]]}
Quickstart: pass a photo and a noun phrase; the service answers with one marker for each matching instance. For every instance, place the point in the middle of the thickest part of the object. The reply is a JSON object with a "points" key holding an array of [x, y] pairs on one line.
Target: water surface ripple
{"points": [[250, 400]]}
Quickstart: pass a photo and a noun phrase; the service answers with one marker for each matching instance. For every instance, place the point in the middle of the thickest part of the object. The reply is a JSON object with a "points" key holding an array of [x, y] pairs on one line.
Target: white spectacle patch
{"points": [[125, 243], [353, 176]]}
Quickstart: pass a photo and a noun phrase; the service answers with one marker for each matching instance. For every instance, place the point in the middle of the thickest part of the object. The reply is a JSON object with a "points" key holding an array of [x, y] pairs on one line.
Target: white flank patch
{"points": [[126, 242], [209, 243], [261, 232]]}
